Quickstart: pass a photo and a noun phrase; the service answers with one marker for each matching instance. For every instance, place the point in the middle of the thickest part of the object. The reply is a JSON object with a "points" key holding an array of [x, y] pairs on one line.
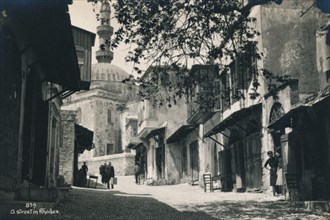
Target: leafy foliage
{"points": [[175, 33], [273, 82]]}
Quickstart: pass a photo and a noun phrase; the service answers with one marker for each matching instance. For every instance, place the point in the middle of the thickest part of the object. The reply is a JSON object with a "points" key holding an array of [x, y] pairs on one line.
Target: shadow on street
{"points": [[254, 210], [107, 204]]}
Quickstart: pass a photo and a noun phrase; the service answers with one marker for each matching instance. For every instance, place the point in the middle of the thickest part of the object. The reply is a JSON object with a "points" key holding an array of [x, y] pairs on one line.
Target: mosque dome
{"points": [[108, 72], [105, 75]]}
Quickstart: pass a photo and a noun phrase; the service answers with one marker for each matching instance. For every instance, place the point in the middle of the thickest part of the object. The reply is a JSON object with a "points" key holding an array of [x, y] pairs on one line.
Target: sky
{"points": [[82, 16]]}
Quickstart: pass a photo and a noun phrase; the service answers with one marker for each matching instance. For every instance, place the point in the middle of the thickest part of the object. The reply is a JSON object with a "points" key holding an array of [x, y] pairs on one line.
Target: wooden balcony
{"points": [[201, 107], [198, 114]]}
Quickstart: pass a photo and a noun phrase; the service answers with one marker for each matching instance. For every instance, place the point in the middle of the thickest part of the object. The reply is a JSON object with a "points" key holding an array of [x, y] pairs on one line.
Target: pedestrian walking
{"points": [[103, 174], [272, 163], [110, 171], [279, 173], [137, 171]]}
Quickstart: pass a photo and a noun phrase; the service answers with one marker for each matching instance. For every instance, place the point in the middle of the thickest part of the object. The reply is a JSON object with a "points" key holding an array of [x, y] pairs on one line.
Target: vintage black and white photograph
{"points": [[164, 109]]}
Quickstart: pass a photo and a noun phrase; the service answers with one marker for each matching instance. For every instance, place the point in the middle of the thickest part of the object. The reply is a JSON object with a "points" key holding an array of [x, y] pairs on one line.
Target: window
{"points": [[152, 109], [225, 89], [109, 116], [141, 110], [105, 21], [323, 55], [184, 161], [246, 68], [234, 83], [217, 95], [110, 149], [134, 128]]}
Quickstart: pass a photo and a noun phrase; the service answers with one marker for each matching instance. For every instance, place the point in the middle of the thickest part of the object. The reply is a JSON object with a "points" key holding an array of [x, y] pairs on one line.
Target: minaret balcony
{"points": [[104, 30], [104, 56]]}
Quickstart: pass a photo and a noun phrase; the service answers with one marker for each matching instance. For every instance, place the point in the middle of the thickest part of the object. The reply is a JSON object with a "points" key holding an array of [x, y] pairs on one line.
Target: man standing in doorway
{"points": [[272, 162]]}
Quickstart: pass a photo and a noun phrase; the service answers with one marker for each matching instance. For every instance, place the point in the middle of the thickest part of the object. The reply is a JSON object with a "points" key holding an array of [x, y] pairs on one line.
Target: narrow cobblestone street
{"points": [[130, 201]]}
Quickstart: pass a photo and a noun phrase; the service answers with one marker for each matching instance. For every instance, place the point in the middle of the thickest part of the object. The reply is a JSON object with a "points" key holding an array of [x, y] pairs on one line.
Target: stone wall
{"points": [[67, 146], [173, 163], [86, 117], [294, 52], [123, 164]]}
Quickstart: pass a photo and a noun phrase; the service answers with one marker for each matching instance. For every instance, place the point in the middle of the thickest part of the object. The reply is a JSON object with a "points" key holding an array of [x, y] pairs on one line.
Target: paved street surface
{"points": [[130, 201]]}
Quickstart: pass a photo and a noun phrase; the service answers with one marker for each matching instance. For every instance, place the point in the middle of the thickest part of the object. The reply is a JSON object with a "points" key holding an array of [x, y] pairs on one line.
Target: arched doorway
{"points": [[276, 112]]}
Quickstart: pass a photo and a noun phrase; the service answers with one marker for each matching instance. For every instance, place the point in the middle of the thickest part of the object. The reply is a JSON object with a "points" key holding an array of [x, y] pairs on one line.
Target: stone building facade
{"points": [[66, 162], [231, 138], [34, 77], [242, 130], [99, 108]]}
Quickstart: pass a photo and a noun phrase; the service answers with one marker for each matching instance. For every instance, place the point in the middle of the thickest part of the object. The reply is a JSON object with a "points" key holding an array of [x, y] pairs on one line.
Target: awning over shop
{"points": [[135, 146], [158, 131], [132, 144], [286, 120], [84, 138], [233, 118], [181, 132]]}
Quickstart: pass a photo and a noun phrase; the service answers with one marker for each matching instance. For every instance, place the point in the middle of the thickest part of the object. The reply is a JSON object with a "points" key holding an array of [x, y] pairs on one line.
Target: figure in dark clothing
{"points": [[103, 174], [110, 173], [82, 175], [84, 168], [272, 162], [81, 178], [137, 171]]}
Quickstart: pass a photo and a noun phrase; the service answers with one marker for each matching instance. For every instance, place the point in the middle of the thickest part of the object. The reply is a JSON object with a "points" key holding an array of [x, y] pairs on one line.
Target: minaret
{"points": [[104, 31]]}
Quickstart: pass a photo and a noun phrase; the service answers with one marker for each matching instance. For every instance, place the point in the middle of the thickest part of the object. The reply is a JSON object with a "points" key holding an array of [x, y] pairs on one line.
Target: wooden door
{"points": [[253, 163], [194, 161], [239, 174], [225, 165]]}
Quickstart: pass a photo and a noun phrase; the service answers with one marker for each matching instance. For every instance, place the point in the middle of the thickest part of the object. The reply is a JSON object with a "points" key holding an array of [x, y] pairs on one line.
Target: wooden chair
{"points": [[216, 182], [93, 177], [208, 182]]}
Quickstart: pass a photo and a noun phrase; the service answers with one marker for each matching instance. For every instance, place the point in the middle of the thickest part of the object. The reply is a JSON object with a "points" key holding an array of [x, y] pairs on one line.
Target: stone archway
{"points": [[276, 112]]}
